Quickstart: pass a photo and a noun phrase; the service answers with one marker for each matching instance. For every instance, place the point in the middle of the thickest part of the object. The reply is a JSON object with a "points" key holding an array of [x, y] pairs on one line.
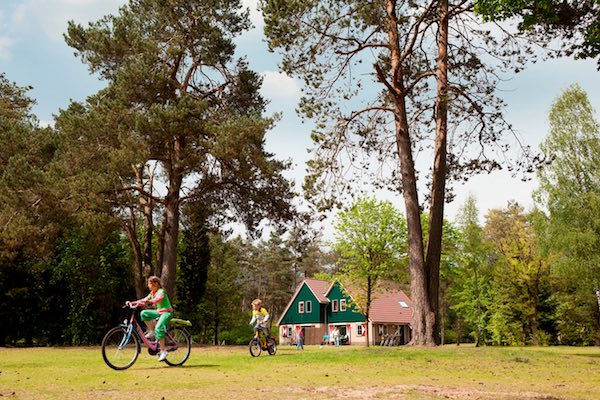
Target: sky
{"points": [[33, 53]]}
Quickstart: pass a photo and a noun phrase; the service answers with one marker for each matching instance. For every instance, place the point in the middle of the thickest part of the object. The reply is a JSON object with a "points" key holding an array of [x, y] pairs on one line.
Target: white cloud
{"points": [[50, 17], [6, 44], [279, 86]]}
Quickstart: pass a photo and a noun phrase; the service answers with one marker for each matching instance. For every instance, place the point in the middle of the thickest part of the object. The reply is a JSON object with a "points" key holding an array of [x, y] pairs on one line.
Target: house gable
{"points": [[351, 314], [312, 314]]}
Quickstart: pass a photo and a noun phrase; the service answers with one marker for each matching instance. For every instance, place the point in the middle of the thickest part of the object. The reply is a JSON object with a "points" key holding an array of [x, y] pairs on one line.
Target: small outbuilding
{"points": [[317, 306]]}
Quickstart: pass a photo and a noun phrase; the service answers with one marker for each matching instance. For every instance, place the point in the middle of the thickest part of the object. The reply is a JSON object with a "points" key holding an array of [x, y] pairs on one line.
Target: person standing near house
{"points": [[335, 335], [299, 338]]}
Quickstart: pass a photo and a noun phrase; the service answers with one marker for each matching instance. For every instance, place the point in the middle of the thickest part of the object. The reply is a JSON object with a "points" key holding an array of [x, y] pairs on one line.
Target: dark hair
{"points": [[155, 279]]}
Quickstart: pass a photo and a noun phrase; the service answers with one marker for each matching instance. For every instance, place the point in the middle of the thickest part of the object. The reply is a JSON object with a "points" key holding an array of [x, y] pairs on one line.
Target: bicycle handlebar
{"points": [[131, 304]]}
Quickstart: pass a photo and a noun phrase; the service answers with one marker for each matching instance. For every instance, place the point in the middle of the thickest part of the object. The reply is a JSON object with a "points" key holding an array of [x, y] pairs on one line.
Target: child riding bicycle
{"points": [[259, 315], [164, 313]]}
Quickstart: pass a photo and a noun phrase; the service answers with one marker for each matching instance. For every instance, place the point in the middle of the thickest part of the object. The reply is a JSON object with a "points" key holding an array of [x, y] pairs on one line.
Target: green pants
{"points": [[163, 319]]}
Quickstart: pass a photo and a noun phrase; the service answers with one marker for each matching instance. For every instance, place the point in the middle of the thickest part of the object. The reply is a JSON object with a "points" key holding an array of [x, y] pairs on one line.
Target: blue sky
{"points": [[33, 52]]}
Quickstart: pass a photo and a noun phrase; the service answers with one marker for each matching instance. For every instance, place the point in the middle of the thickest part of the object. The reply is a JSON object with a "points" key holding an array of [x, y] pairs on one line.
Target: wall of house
{"points": [[348, 315], [312, 333], [318, 320], [307, 316]]}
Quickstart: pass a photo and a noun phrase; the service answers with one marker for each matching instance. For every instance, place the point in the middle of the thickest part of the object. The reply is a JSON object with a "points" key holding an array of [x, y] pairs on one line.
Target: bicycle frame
{"points": [[133, 327]]}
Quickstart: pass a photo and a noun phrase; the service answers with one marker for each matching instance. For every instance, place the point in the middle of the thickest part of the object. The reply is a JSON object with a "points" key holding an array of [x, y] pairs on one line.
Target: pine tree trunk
{"points": [[438, 186], [422, 313], [169, 265], [139, 281], [171, 217]]}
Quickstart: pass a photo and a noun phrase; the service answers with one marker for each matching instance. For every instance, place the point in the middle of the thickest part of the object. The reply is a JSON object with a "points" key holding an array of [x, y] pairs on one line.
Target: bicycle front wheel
{"points": [[179, 346], [120, 349], [255, 347]]}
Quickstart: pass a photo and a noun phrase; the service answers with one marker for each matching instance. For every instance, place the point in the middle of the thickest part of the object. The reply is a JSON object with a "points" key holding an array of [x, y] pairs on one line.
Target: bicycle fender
{"points": [[180, 322]]}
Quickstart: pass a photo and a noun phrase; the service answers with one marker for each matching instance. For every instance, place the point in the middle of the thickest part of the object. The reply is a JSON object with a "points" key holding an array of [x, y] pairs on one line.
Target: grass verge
{"points": [[455, 372]]}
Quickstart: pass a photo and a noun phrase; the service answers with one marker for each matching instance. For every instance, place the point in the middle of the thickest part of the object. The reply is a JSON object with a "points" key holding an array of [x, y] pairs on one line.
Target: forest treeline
{"points": [[145, 176], [520, 277]]}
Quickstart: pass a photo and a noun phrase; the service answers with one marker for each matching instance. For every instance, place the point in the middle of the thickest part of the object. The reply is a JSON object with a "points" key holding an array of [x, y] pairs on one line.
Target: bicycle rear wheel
{"points": [[179, 346], [255, 347], [120, 349], [271, 346]]}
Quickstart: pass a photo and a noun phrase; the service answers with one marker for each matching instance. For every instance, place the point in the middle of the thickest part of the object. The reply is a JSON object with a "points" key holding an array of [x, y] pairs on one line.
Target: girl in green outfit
{"points": [[157, 319]]}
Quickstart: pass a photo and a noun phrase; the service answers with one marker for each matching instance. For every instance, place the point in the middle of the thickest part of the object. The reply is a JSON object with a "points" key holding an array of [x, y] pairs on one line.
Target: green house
{"points": [[317, 306]]}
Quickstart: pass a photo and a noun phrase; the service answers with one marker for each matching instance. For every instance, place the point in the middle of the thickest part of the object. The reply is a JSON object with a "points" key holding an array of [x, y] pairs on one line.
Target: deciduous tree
{"points": [[569, 190], [371, 240], [521, 286]]}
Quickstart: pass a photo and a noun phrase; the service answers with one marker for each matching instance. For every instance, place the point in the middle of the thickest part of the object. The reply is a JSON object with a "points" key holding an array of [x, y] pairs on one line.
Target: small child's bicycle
{"points": [[121, 345], [256, 345]]}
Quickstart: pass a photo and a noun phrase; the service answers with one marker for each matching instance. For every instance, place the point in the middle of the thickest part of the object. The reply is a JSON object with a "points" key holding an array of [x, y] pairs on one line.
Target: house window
{"points": [[308, 306], [289, 331], [361, 330], [301, 307], [342, 304], [403, 304], [334, 306]]}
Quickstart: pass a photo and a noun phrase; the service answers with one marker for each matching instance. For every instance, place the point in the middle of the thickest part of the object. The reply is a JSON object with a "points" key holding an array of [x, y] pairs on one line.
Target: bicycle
{"points": [[122, 344], [256, 345]]}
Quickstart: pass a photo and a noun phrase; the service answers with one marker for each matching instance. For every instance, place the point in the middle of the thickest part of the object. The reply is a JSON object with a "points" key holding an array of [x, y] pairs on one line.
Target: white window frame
{"points": [[289, 331], [334, 305], [308, 307], [342, 305], [359, 330], [300, 307]]}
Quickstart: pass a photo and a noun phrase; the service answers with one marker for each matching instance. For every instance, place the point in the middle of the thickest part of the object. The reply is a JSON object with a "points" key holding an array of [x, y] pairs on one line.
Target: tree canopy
{"points": [[577, 22], [181, 119], [389, 82]]}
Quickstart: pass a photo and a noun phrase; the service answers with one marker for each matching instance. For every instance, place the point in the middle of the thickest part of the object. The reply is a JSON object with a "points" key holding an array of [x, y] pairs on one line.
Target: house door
{"points": [[312, 335]]}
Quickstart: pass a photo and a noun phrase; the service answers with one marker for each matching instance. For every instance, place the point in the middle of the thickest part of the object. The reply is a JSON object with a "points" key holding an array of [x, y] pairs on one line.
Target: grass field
{"points": [[448, 372]]}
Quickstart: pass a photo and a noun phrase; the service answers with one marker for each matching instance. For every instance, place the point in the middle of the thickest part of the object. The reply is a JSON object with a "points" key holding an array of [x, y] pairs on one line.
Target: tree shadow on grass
{"points": [[185, 366], [596, 355], [196, 366]]}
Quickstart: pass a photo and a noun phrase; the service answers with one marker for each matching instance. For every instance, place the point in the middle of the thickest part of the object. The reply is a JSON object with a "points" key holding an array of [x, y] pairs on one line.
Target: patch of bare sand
{"points": [[406, 392]]}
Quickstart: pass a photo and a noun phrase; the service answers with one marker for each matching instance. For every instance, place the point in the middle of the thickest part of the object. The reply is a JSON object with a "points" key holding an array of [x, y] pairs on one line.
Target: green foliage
{"points": [[370, 238], [68, 298], [179, 107], [194, 262], [570, 191], [220, 306], [469, 290], [576, 21], [31, 216], [521, 287]]}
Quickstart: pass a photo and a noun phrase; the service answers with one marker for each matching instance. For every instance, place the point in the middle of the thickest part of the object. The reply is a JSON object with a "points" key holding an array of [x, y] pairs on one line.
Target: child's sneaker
{"points": [[162, 356]]}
